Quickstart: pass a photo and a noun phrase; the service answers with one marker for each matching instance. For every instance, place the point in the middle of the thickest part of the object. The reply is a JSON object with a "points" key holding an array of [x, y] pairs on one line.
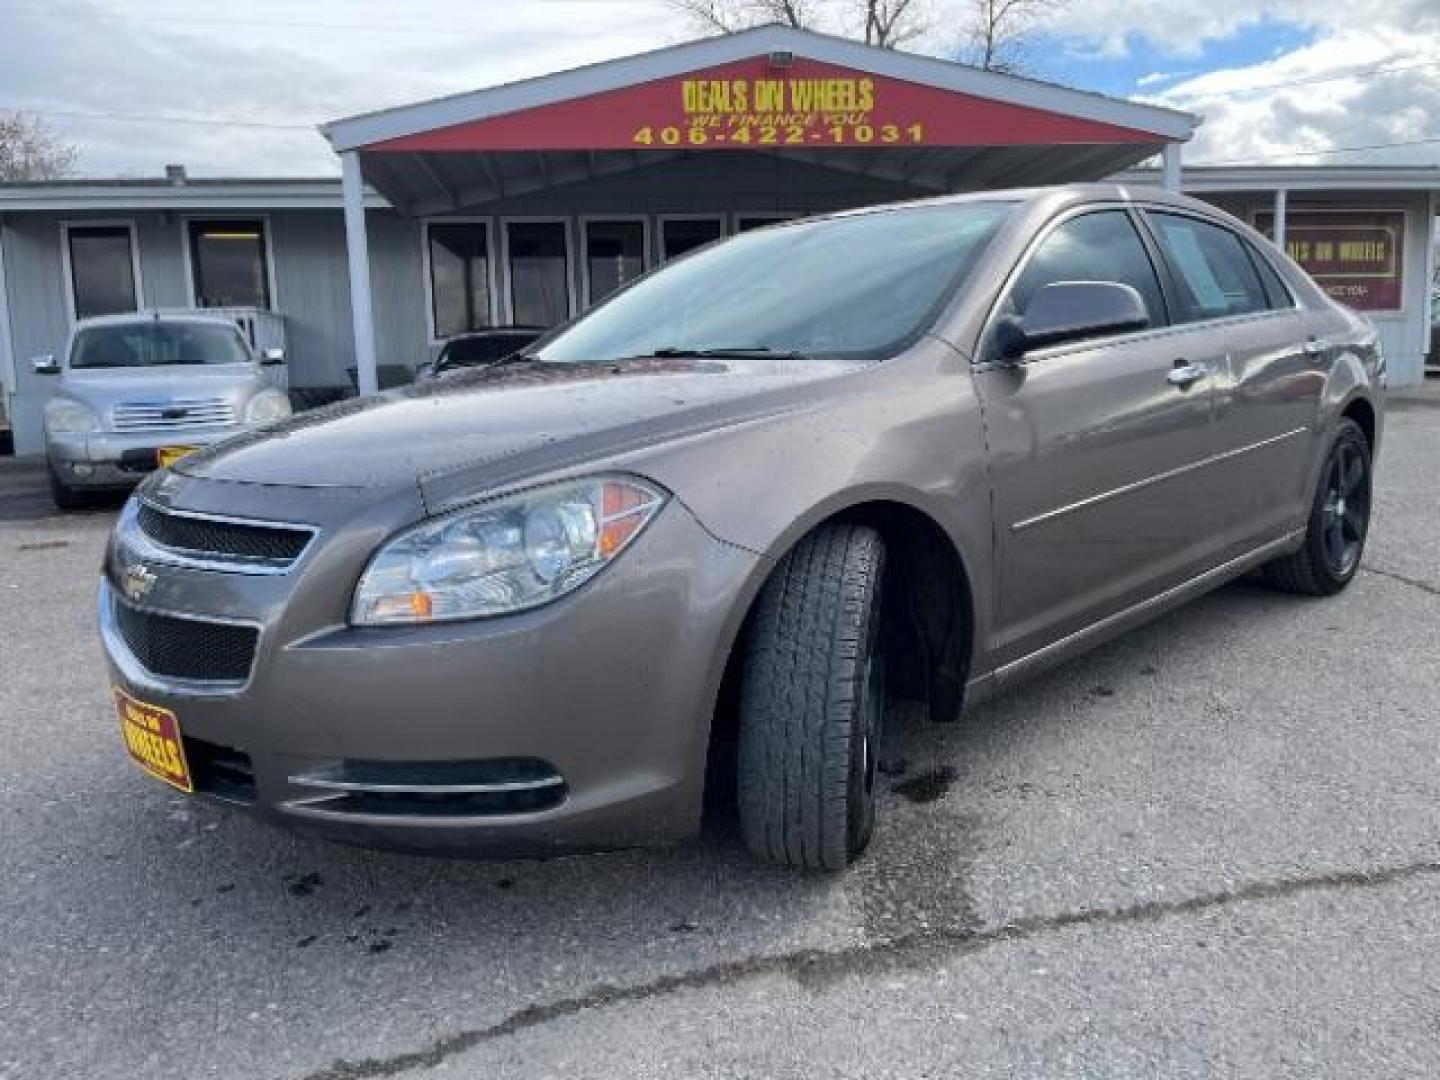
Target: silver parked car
{"points": [[138, 391], [704, 535]]}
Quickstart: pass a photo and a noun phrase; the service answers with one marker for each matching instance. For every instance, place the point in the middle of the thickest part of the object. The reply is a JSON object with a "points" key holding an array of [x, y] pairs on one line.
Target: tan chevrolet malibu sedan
{"points": [[703, 534]]}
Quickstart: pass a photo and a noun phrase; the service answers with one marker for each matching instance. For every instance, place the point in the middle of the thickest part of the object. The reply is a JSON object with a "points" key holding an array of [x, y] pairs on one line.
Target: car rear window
{"points": [[846, 287], [483, 349]]}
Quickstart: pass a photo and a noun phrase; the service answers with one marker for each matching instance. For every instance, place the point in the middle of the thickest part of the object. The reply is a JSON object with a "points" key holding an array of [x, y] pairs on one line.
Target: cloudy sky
{"points": [[237, 89]]}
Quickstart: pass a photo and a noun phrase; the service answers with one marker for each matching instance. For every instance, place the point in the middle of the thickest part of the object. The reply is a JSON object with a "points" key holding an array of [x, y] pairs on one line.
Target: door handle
{"points": [[1184, 374], [1316, 347]]}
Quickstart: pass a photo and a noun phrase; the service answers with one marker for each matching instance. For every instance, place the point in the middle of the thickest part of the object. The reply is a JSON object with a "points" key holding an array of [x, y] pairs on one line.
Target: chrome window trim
{"points": [[139, 676], [145, 546]]}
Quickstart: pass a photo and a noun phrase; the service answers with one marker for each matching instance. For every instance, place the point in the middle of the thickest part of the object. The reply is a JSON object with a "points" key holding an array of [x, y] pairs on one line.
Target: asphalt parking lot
{"points": [[1210, 849]]}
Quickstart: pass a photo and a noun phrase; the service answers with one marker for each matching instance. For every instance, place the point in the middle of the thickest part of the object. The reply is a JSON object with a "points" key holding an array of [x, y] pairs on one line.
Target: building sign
{"points": [[1356, 256], [751, 104]]}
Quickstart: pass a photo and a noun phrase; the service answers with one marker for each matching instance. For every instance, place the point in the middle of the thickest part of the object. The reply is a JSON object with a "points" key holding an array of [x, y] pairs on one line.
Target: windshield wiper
{"points": [[670, 352]]}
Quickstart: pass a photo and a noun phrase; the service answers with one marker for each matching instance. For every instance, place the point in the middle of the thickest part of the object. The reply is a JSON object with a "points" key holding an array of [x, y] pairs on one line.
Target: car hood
{"points": [[492, 425], [107, 385]]}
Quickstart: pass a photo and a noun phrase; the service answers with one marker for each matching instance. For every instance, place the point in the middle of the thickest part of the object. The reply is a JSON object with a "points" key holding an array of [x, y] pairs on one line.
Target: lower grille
{"points": [[223, 540], [449, 789], [221, 771], [177, 648]]}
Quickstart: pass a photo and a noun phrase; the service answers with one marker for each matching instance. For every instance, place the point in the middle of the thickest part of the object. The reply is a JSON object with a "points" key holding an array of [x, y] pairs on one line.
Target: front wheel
{"points": [[1339, 521], [812, 700], [63, 495]]}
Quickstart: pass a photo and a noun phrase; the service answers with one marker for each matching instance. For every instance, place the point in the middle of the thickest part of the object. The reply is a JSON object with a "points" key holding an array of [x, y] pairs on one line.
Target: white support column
{"points": [[1170, 167], [357, 251], [1281, 198]]}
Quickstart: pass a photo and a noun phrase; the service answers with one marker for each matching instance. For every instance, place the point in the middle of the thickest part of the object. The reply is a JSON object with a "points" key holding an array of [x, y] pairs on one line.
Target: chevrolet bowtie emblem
{"points": [[137, 581]]}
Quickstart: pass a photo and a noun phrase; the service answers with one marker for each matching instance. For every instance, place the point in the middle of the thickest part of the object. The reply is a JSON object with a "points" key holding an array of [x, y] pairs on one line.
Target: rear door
{"points": [[1094, 449], [1265, 369]]}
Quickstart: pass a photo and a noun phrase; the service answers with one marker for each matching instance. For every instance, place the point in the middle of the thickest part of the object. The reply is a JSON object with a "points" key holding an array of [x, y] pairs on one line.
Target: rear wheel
{"points": [[1339, 521], [812, 702]]}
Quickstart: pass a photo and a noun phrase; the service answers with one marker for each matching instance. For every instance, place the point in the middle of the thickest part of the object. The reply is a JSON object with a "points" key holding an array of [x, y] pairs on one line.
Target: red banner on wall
{"points": [[1356, 256], [750, 104]]}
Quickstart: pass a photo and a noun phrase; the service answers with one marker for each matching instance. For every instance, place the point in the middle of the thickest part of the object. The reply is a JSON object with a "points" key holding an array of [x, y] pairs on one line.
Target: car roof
{"points": [[1057, 194]]}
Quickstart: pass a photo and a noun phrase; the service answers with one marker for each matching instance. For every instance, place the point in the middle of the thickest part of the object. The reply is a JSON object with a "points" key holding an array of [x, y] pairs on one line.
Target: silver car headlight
{"points": [[266, 406], [66, 416], [506, 555]]}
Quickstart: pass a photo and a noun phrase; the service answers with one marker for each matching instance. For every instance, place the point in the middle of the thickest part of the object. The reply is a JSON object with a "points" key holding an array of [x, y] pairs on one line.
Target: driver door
{"points": [[1094, 450]]}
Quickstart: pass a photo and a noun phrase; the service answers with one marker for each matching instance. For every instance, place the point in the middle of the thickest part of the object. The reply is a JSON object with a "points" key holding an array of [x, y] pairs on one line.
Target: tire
{"points": [[812, 702], [64, 496], [1338, 524]]}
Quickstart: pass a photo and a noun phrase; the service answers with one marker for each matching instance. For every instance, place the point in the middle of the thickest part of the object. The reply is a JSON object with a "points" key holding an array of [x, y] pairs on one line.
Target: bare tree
{"points": [[31, 150], [727, 16], [886, 23], [996, 32], [891, 23]]}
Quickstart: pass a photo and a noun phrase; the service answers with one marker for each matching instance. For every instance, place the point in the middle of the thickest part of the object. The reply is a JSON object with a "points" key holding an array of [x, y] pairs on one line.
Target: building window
{"points": [[459, 276], [102, 269], [746, 222], [538, 255], [679, 235], [614, 255], [229, 263]]}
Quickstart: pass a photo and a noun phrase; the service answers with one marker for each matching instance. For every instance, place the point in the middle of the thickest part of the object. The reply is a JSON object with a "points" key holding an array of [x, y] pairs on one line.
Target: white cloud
{"points": [[279, 63], [1359, 86]]}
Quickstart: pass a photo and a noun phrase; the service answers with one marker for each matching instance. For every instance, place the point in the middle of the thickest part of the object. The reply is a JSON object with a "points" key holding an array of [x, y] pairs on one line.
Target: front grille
{"points": [[187, 648], [222, 539], [172, 415]]}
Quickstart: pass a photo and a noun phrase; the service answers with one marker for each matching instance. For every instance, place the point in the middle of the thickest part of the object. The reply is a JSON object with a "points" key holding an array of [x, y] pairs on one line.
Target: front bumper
{"points": [[581, 724], [115, 459]]}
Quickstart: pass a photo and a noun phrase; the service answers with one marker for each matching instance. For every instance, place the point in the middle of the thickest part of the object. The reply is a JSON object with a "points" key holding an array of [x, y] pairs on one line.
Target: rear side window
{"points": [[1103, 246], [1276, 291], [1216, 277]]}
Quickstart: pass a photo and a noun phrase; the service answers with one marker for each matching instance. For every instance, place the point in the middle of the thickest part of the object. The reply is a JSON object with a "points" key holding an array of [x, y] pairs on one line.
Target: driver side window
{"points": [[1101, 246]]}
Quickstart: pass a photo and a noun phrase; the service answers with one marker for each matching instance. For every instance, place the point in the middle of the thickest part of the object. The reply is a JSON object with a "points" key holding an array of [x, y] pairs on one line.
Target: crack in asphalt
{"points": [[1414, 583], [818, 968]]}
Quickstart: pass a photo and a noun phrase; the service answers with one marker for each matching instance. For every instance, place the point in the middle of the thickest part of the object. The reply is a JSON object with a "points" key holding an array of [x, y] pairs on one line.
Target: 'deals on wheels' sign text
{"points": [[1356, 256], [781, 112], [754, 105]]}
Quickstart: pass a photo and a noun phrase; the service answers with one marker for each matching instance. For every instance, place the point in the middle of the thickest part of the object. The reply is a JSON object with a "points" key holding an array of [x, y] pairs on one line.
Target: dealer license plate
{"points": [[168, 455], [152, 738]]}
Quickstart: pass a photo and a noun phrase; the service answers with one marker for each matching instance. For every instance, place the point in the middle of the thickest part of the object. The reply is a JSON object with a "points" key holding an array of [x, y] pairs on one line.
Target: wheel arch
{"points": [[935, 627]]}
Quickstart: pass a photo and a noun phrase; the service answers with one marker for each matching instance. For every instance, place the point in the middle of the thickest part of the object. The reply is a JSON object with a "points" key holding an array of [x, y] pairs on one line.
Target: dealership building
{"points": [[526, 203]]}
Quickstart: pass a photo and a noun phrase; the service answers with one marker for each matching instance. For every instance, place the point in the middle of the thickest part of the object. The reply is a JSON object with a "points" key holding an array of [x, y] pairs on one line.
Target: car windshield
{"points": [[157, 344], [847, 287], [482, 349]]}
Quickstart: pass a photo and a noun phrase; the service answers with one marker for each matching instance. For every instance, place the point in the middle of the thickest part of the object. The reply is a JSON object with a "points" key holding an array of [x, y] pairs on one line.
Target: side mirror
{"points": [[270, 357], [1070, 311], [45, 365]]}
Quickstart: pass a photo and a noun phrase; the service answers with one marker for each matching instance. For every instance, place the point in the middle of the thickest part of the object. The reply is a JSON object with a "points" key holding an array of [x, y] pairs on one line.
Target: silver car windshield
{"points": [[847, 287], [157, 344]]}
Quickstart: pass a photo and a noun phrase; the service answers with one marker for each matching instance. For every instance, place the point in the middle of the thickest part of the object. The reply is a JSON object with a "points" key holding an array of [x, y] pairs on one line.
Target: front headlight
{"points": [[66, 416], [266, 406], [507, 555]]}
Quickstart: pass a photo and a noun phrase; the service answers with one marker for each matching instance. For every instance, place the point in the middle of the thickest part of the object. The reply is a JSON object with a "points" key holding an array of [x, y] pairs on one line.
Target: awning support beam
{"points": [[1281, 197], [357, 252], [1170, 166]]}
